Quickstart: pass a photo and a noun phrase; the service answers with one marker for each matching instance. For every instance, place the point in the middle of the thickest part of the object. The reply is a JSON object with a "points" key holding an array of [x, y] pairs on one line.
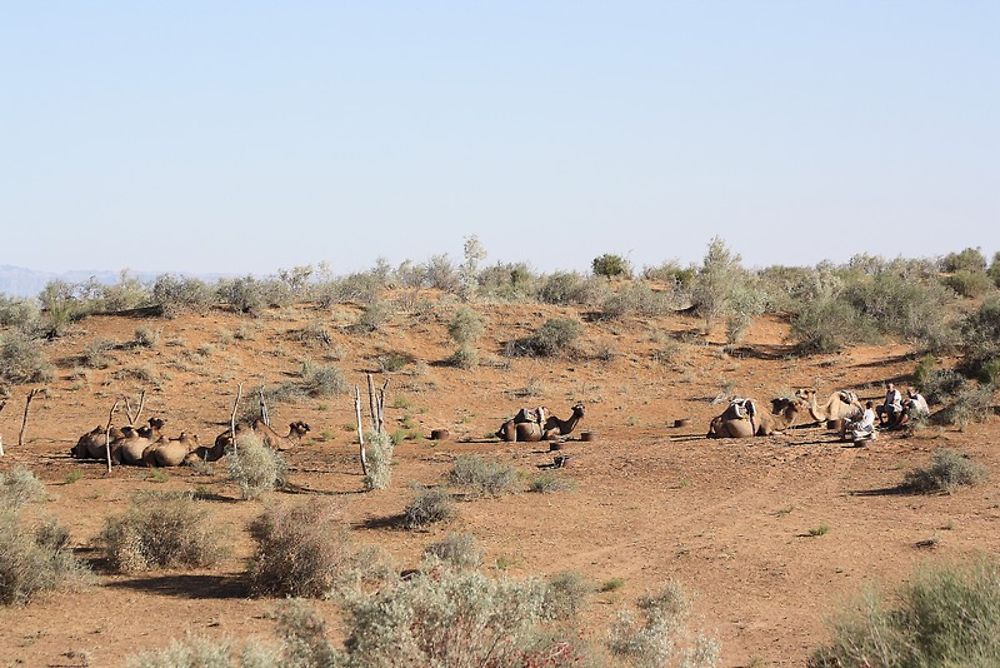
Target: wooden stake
{"points": [[371, 404], [263, 407], [107, 435], [232, 418], [24, 419], [361, 430], [3, 404]]}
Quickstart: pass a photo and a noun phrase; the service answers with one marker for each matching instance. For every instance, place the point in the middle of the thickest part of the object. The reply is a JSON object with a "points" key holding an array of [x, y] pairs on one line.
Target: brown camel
{"points": [[130, 448], [155, 429], [841, 405], [170, 451], [272, 439], [91, 445], [512, 430], [784, 412]]}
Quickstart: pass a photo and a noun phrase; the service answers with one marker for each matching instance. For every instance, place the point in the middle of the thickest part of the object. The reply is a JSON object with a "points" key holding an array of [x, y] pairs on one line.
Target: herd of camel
{"points": [[148, 446]]}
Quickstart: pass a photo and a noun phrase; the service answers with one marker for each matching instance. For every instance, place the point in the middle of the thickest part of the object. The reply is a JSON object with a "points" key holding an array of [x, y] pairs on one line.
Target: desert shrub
{"points": [[428, 506], [457, 550], [302, 550], [679, 278], [486, 477], [144, 337], [719, 273], [394, 361], [565, 595], [19, 487], [553, 337], [33, 559], [937, 385], [653, 639], [373, 317], [970, 259], [61, 306], [746, 303], [358, 288], [379, 461], [571, 289], [969, 283], [789, 289], [18, 313], [980, 334], [162, 530], [464, 357], [256, 468], [95, 354], [826, 326], [971, 403], [948, 471], [546, 483], [466, 326], [322, 381], [994, 271], [201, 652], [242, 295], [176, 294], [473, 253], [22, 359], [456, 618], [610, 265], [128, 293], [507, 282], [946, 616], [635, 298]]}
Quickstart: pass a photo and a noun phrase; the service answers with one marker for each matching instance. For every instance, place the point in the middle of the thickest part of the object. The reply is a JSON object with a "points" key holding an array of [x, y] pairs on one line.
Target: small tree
{"points": [[610, 266], [465, 329], [713, 286], [468, 273]]}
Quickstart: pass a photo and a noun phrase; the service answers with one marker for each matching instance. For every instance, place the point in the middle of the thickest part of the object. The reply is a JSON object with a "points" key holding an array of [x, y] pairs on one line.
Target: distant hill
{"points": [[23, 282]]}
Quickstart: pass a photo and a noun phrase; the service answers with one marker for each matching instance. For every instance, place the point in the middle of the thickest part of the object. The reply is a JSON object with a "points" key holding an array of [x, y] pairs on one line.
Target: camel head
{"points": [[805, 393], [129, 432], [156, 423], [298, 429], [578, 409], [786, 405]]}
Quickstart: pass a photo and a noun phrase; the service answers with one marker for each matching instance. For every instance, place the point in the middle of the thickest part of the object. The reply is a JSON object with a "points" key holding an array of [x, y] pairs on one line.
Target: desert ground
{"points": [[728, 519]]}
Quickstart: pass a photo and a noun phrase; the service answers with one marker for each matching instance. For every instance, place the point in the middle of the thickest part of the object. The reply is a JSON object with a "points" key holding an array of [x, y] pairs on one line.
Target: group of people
{"points": [[891, 414]]}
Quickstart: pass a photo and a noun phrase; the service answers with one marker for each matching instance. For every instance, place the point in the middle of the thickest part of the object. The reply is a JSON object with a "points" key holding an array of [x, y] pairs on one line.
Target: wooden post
{"points": [[361, 430], [232, 418], [24, 419], [371, 403], [107, 435], [133, 416], [263, 407], [3, 404]]}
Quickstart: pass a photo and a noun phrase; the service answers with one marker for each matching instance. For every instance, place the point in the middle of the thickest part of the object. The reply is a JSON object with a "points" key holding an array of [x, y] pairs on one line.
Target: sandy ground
{"points": [[727, 519]]}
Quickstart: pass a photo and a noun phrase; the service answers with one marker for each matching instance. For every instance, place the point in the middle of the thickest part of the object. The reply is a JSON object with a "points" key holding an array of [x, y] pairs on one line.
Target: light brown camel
{"points": [[841, 405], [170, 451], [784, 412], [91, 444], [528, 432], [129, 448], [272, 439]]}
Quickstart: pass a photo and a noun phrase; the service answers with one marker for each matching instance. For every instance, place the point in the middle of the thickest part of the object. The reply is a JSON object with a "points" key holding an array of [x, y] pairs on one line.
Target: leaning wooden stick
{"points": [[24, 418], [361, 431], [107, 435], [3, 404], [263, 407], [133, 416], [232, 418]]}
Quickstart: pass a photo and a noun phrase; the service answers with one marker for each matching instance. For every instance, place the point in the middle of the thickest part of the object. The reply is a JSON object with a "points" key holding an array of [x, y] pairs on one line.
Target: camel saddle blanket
{"points": [[536, 415]]}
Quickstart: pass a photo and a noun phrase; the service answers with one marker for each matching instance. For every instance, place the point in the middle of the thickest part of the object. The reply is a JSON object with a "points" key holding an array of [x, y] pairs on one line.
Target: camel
{"points": [[784, 412], [154, 430], [130, 448], [271, 438], [91, 445], [842, 405], [512, 430], [170, 451]]}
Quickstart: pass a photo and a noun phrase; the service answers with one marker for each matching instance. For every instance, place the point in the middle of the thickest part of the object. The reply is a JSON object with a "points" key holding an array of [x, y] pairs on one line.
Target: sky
{"points": [[247, 136]]}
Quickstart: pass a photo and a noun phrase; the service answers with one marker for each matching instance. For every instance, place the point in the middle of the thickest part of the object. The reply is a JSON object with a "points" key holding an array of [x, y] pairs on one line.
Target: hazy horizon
{"points": [[239, 138]]}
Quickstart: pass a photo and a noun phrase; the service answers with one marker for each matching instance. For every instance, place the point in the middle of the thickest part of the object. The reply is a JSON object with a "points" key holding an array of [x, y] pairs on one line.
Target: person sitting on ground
{"points": [[890, 412], [863, 428], [916, 404]]}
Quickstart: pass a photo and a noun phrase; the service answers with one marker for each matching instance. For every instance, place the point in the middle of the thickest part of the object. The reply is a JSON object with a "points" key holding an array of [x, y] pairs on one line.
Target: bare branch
{"points": [[361, 430], [232, 418], [107, 435], [24, 419]]}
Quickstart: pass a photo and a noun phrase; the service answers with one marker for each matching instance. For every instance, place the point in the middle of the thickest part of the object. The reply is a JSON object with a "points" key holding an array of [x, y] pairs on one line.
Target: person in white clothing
{"points": [[863, 429], [890, 412], [916, 404]]}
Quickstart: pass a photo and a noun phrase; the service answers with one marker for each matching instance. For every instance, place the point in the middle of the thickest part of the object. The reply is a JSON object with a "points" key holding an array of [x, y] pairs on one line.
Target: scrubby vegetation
{"points": [[948, 471], [553, 337], [428, 506], [22, 359], [947, 616], [255, 468], [162, 530], [380, 449], [457, 550], [485, 477]]}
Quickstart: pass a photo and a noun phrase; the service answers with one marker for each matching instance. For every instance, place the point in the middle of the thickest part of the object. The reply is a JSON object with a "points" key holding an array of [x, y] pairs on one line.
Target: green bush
{"points": [[95, 354], [571, 289], [565, 595], [33, 559], [373, 317], [948, 471], [19, 487], [946, 616], [322, 381], [826, 326], [22, 359], [671, 273], [428, 506], [507, 282], [969, 283], [465, 327], [464, 357], [635, 298], [18, 313], [546, 483], [980, 334], [970, 403], [718, 275], [244, 295], [162, 530], [177, 294], [610, 266], [379, 461], [145, 337], [970, 259], [460, 551], [255, 468], [486, 477], [553, 337], [201, 652]]}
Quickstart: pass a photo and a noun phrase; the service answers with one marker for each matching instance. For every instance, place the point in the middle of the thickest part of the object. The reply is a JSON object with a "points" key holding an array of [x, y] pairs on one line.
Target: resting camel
{"points": [[513, 430], [130, 448], [270, 438], [91, 445], [170, 451], [154, 430], [841, 405], [784, 412]]}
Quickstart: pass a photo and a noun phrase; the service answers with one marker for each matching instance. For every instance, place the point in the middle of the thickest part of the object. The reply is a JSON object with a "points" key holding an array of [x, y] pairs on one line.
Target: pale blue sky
{"points": [[245, 136]]}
